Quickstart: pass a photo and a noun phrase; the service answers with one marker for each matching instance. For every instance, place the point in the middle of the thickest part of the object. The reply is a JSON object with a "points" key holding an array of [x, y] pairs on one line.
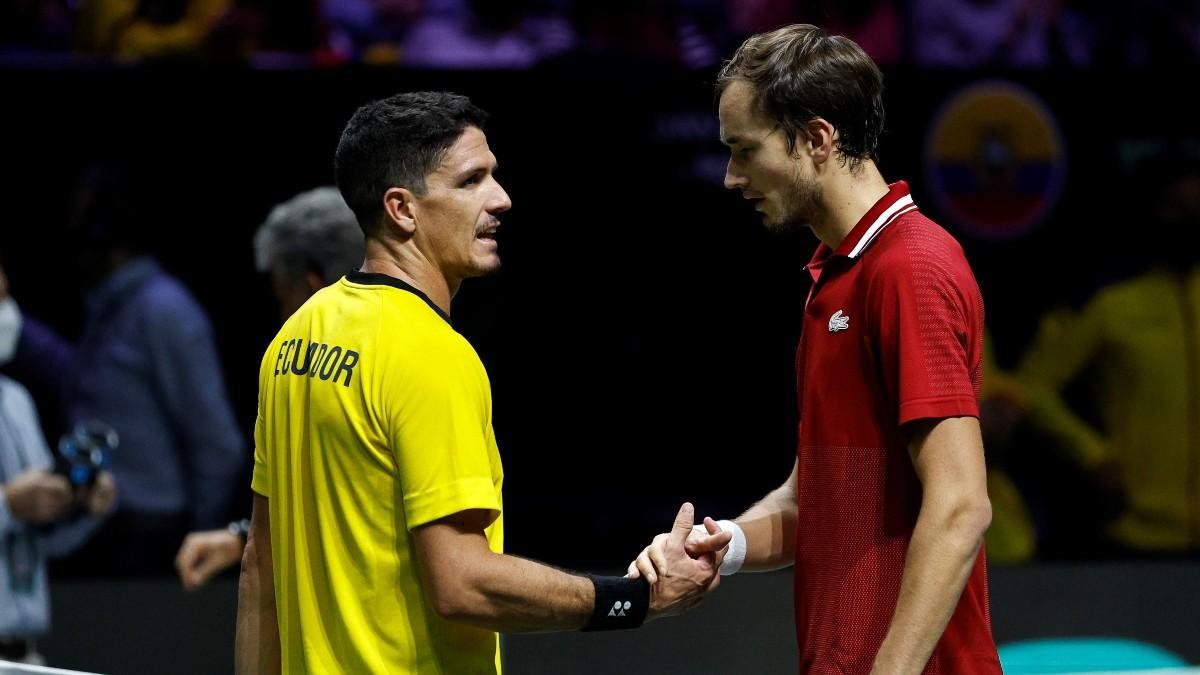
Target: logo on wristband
{"points": [[619, 608]]}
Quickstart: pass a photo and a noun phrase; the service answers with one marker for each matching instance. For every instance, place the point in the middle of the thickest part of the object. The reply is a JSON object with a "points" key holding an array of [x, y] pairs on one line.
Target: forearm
{"points": [[257, 642], [941, 555], [512, 595], [770, 528]]}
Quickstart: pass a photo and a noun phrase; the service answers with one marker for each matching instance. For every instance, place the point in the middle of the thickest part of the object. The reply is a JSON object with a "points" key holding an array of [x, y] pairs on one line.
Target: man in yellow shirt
{"points": [[1136, 344], [376, 540]]}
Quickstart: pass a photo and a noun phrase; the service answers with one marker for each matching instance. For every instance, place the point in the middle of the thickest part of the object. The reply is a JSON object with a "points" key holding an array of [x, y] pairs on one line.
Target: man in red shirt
{"points": [[884, 513]]}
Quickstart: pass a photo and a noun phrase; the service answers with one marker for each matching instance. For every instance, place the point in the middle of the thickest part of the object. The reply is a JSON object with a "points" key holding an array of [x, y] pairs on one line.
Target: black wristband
{"points": [[620, 603]]}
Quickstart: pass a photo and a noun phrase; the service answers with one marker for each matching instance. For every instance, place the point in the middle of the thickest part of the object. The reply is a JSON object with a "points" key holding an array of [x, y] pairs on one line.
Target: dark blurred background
{"points": [[640, 337]]}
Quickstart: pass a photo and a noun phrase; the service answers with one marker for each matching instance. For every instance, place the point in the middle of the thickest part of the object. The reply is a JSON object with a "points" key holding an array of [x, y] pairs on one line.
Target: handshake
{"points": [[682, 566]]}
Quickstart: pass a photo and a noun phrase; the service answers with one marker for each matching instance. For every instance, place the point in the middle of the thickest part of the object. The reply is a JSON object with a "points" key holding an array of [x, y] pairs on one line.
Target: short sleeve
{"points": [[440, 433], [260, 480], [929, 333]]}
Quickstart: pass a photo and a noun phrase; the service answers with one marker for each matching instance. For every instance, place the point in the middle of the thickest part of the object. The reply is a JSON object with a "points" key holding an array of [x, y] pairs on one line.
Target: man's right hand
{"points": [[38, 497], [710, 539], [679, 581]]}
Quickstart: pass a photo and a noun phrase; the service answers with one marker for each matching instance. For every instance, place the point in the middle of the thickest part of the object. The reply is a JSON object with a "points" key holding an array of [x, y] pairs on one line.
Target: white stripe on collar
{"points": [[889, 215]]}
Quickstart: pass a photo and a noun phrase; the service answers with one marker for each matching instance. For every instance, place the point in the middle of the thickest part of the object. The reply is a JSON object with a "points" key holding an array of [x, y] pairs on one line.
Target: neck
{"points": [[846, 198], [404, 261]]}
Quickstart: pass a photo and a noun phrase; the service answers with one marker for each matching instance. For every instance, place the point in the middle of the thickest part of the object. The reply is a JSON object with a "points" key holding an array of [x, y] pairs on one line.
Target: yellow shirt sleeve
{"points": [[440, 431], [260, 480]]}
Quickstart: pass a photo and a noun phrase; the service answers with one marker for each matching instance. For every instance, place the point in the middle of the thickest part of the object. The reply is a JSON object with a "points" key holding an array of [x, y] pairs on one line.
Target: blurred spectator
{"points": [[876, 25], [36, 509], [197, 29], [975, 33], [1045, 33], [1135, 349], [36, 522], [306, 243], [369, 30], [653, 30], [484, 34], [1146, 32], [1011, 538], [1015, 33], [147, 366], [136, 29], [748, 17]]}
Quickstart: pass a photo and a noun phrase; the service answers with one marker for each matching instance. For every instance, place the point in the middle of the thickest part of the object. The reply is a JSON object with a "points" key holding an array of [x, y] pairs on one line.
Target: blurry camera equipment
{"points": [[84, 451]]}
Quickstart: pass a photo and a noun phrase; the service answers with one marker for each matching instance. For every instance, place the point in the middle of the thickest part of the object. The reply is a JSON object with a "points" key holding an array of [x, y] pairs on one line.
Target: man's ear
{"points": [[817, 138], [399, 210]]}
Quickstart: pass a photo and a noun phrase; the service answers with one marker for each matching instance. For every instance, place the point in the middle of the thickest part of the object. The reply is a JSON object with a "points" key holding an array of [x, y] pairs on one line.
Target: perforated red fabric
{"points": [[893, 332]]}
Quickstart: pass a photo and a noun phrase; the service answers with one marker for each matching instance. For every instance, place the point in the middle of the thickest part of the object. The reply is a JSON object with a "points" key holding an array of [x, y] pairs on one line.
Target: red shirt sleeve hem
{"points": [[938, 408]]}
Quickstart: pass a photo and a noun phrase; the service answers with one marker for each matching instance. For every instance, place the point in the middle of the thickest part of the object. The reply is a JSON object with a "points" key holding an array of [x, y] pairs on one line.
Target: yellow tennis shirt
{"points": [[374, 417]]}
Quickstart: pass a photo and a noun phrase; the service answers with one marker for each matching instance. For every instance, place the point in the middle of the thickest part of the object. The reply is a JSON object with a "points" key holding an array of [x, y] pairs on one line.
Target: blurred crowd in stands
{"points": [[484, 34]]}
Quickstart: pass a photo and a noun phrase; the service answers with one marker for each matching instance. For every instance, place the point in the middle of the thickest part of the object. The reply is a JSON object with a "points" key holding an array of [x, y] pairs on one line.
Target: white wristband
{"points": [[736, 555]]}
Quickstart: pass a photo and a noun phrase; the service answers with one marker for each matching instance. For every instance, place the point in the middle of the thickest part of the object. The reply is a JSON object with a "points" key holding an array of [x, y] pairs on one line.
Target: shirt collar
{"points": [[377, 279], [891, 206]]}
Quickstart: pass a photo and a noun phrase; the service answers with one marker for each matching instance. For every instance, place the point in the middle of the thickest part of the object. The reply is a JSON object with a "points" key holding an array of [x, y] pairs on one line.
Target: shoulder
{"points": [[919, 262], [15, 394], [163, 291], [414, 337], [1133, 290], [168, 306], [915, 242]]}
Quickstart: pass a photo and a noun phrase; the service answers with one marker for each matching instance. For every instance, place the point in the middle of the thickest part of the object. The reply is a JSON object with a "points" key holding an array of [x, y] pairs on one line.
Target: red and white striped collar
{"points": [[886, 211]]}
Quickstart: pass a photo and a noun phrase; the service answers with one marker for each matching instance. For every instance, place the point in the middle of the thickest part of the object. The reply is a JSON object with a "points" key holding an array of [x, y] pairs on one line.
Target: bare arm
{"points": [[466, 582], [257, 646], [955, 513], [770, 527]]}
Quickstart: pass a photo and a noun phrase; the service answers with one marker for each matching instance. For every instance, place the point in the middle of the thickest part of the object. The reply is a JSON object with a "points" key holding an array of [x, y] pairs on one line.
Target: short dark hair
{"points": [[397, 142], [800, 72]]}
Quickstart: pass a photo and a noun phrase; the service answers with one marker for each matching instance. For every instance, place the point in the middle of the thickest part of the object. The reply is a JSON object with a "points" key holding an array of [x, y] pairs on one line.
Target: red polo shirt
{"points": [[893, 332]]}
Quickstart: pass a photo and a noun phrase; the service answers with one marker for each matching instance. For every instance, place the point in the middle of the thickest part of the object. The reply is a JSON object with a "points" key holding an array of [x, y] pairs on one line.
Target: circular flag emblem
{"points": [[995, 161]]}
